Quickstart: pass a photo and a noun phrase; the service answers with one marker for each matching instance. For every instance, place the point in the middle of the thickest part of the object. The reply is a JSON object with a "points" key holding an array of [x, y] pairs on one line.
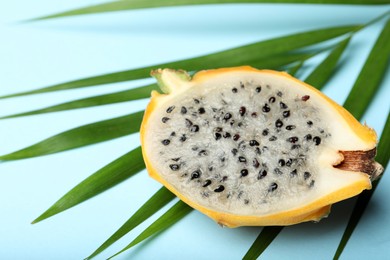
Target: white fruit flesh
{"points": [[193, 152]]}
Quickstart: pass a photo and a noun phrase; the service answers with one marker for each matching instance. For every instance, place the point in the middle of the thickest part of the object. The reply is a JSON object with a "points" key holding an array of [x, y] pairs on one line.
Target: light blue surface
{"points": [[38, 54]]}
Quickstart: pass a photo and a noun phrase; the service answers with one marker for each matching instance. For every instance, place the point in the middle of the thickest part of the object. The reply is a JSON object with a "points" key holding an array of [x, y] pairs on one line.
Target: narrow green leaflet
{"points": [[364, 198], [295, 68], [244, 55], [173, 215], [81, 136], [155, 203], [322, 73], [266, 236], [371, 75], [141, 4], [107, 177], [122, 96]]}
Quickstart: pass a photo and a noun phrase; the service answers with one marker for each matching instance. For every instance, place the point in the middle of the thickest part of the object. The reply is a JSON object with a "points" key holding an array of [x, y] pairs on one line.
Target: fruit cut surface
{"points": [[254, 147]]}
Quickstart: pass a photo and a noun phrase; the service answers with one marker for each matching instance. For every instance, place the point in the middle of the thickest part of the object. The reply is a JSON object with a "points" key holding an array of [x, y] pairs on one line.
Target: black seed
{"points": [[234, 151], [227, 116], [188, 123], [295, 146], [293, 139], [253, 143], [258, 89], [306, 175], [194, 128], [224, 178], [262, 174], [202, 153], [272, 138], [218, 129], [195, 148], [201, 110], [278, 171], [242, 145], [317, 140], [183, 110], [290, 127], [183, 138], [305, 97], [242, 85], [279, 93], [206, 183], [196, 101], [241, 159], [244, 172], [273, 187], [309, 123], [308, 137], [265, 132], [272, 99], [165, 119], [289, 162], [278, 123], [236, 137], [170, 109], [311, 183], [232, 122], [220, 188], [264, 148], [211, 168], [222, 159], [196, 174], [258, 151], [242, 111], [254, 115], [234, 90], [282, 162], [246, 201], [165, 141], [227, 135], [293, 173], [173, 133], [174, 167], [266, 108], [256, 163], [283, 105], [286, 113], [217, 136], [239, 124]]}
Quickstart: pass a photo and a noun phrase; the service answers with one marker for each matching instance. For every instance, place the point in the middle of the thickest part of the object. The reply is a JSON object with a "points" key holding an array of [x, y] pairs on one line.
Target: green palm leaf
{"points": [[155, 203], [107, 177], [139, 4], [106, 99], [173, 215], [323, 72], [280, 53], [81, 136], [265, 238], [370, 75]]}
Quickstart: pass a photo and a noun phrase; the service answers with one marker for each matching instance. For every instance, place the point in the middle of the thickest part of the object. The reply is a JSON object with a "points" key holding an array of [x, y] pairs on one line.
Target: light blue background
{"points": [[38, 54]]}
